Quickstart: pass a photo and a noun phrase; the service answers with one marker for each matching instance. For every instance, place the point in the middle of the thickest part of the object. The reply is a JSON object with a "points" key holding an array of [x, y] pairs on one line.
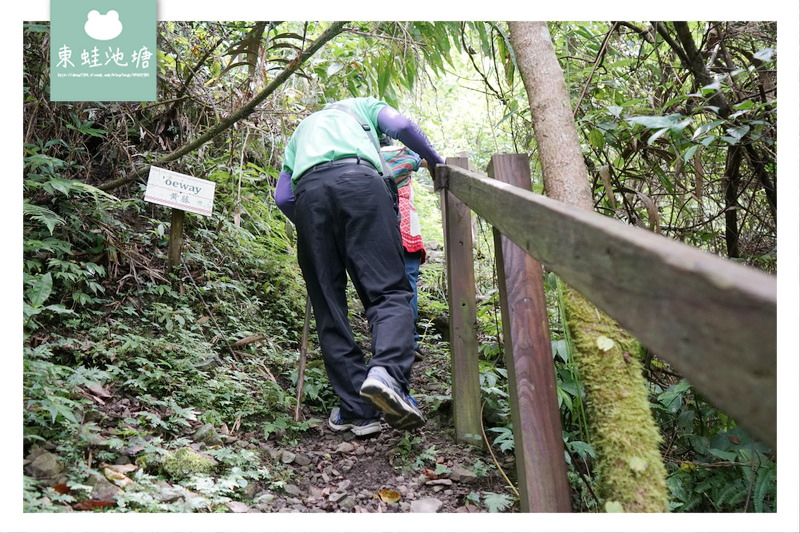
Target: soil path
{"points": [[395, 471]]}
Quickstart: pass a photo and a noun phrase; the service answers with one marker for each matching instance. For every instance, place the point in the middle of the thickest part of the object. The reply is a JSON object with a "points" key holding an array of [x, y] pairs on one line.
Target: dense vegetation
{"points": [[691, 157]]}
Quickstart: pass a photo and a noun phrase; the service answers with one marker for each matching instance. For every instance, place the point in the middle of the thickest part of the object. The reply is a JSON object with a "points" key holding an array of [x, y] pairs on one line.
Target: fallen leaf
{"points": [[605, 175], [117, 478], [248, 340], [430, 474], [122, 469], [604, 343], [99, 390], [389, 496], [734, 439], [61, 488], [652, 211], [698, 176], [91, 505]]}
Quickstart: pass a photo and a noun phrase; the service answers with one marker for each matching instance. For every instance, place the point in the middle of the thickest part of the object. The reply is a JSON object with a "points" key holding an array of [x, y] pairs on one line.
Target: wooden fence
{"points": [[713, 320]]}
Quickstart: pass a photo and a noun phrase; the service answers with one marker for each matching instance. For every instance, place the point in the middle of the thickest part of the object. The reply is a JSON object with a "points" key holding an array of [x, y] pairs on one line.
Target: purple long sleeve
{"points": [[400, 127], [284, 197]]}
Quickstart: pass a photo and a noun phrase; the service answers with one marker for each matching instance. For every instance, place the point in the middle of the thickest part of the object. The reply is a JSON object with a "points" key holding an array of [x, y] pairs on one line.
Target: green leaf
{"points": [[87, 129], [333, 68], [672, 398], [441, 469], [563, 397], [689, 153], [699, 443], [728, 456], [712, 87], [674, 122], [654, 137], [56, 409], [654, 123], [496, 502], [42, 214], [581, 448], [28, 311], [383, 79], [738, 132], [705, 141], [559, 348], [597, 139], [41, 290], [765, 485], [705, 128]]}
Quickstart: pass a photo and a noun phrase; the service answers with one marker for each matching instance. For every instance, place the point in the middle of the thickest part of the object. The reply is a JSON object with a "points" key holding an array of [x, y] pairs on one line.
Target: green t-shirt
{"points": [[332, 134]]}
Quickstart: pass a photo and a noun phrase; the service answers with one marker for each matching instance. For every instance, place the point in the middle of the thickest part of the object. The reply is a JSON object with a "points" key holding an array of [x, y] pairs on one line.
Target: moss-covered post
{"points": [[630, 470]]}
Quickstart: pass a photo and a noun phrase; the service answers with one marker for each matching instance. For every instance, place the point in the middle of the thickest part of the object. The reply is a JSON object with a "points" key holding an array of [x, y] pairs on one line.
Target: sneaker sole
{"points": [[360, 431], [394, 409]]}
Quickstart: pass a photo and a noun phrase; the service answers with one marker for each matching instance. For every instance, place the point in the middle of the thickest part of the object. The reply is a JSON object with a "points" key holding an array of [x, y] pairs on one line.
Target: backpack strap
{"points": [[366, 127]]}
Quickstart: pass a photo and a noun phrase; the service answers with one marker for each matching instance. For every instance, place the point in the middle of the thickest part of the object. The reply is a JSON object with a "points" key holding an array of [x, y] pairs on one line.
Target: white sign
{"points": [[180, 191]]}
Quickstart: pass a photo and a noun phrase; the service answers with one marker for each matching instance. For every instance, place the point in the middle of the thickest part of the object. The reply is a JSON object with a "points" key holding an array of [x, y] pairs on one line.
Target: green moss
{"points": [[629, 467], [185, 462]]}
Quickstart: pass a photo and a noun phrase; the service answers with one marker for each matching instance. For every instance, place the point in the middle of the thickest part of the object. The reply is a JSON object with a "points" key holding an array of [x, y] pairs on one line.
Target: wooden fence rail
{"points": [[714, 320]]}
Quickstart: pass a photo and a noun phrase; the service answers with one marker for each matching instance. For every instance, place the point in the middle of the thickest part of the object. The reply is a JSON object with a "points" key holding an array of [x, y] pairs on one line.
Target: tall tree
{"points": [[693, 61], [630, 467]]}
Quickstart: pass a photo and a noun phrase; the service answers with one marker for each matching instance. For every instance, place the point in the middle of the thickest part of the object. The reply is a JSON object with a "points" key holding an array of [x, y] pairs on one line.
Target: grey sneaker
{"points": [[358, 426], [399, 409]]}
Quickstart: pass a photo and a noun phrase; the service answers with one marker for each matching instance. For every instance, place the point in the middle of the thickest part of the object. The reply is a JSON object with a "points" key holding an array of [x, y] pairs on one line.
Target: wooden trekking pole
{"points": [[303, 352]]}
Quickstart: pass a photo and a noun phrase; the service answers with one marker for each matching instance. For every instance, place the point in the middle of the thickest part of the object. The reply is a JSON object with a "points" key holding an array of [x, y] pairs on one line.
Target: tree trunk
{"points": [[757, 162], [625, 436], [565, 176], [730, 187]]}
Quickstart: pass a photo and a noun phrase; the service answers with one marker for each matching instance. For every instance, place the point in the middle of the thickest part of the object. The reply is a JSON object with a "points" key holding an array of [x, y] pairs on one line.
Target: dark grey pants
{"points": [[347, 224]]}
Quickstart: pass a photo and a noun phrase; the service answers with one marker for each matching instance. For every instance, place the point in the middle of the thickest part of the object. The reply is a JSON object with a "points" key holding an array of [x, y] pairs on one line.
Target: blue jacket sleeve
{"points": [[400, 127], [284, 197]]}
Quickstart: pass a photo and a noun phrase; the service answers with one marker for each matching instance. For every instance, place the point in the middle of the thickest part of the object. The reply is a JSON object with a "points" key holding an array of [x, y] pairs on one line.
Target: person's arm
{"points": [[400, 127], [284, 197]]}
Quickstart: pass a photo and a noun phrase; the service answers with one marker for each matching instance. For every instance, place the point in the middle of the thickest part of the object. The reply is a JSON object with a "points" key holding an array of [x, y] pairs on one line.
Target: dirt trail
{"points": [[395, 471]]}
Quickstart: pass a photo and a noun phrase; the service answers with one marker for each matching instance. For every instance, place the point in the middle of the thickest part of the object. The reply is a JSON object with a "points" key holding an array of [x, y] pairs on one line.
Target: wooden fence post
{"points": [[538, 444], [175, 238], [466, 390]]}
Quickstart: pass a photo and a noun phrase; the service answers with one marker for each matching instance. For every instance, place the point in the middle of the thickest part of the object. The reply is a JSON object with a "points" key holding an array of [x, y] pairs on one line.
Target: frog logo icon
{"points": [[103, 27]]}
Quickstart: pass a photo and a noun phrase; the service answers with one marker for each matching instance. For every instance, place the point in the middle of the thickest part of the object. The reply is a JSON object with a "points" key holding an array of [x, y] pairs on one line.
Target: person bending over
{"points": [[344, 206]]}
